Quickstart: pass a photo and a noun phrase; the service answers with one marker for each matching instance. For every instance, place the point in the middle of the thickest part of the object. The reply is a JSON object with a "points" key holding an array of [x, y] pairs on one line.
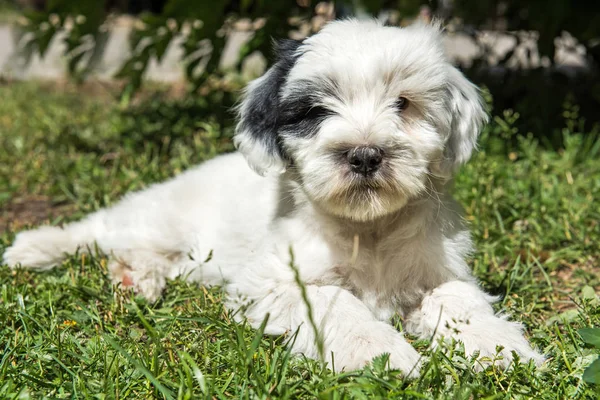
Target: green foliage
{"points": [[81, 19], [591, 336], [202, 24], [538, 94], [549, 19], [206, 21], [69, 333], [199, 28]]}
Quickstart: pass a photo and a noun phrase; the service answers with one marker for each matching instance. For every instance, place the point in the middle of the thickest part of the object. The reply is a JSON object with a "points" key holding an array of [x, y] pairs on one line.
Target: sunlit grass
{"points": [[534, 213]]}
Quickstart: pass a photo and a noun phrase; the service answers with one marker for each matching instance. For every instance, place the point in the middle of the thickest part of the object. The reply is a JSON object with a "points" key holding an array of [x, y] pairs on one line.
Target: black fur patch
{"points": [[261, 115], [301, 113]]}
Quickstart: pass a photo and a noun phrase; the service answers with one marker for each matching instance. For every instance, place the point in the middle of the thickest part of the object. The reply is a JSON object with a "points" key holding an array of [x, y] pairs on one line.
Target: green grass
{"points": [[68, 333]]}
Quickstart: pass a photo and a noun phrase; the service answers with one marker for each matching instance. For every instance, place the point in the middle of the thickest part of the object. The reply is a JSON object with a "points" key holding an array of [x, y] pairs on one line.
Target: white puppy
{"points": [[355, 134]]}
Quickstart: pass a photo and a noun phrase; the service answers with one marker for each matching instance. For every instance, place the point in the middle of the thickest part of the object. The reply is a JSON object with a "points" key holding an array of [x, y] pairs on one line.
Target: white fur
{"points": [[363, 253]]}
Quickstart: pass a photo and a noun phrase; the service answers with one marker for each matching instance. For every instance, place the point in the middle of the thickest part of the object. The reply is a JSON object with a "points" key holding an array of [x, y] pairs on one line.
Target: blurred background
{"points": [[534, 56]]}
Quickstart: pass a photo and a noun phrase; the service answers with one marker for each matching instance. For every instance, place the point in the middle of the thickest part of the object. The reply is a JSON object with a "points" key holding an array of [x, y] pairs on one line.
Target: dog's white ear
{"points": [[467, 118], [256, 135]]}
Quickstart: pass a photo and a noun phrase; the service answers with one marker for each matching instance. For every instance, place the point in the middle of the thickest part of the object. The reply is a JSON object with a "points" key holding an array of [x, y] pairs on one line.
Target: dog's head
{"points": [[365, 115]]}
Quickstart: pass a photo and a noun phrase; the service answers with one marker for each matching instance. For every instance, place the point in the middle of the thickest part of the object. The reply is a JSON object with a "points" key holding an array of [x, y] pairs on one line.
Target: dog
{"points": [[343, 218]]}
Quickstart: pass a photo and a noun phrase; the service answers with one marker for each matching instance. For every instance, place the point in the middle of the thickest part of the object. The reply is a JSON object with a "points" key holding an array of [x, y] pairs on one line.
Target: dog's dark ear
{"points": [[468, 116], [256, 135]]}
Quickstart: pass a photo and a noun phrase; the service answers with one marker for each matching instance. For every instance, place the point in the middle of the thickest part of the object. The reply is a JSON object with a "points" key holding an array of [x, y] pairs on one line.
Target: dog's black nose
{"points": [[365, 160]]}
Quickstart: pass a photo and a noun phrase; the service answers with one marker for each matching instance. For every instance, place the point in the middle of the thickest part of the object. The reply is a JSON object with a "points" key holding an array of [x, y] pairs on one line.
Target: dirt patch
{"points": [[570, 278], [567, 279], [31, 210]]}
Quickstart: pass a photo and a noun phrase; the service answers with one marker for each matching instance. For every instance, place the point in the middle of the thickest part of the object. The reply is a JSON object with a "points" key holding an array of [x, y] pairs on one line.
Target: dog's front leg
{"points": [[462, 311], [348, 335]]}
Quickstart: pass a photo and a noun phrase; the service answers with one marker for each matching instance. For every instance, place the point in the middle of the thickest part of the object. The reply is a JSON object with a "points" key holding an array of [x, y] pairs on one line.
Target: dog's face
{"points": [[364, 114]]}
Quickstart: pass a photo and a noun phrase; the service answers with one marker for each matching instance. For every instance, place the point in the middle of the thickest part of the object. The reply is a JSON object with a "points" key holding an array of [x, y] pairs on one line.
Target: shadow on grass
{"points": [[158, 121]]}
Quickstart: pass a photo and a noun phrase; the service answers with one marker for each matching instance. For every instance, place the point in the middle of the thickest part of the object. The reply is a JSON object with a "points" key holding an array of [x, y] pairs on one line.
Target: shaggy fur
{"points": [[369, 244]]}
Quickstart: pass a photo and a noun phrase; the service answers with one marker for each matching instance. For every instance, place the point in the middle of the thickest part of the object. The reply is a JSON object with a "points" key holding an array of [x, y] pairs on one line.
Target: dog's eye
{"points": [[314, 113], [317, 112], [402, 103]]}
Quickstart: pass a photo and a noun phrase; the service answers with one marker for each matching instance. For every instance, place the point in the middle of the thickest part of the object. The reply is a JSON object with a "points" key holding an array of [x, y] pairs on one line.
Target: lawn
{"points": [[65, 151]]}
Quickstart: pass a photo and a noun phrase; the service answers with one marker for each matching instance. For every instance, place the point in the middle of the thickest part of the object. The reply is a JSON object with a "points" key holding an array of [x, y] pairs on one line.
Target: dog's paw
{"points": [[363, 346], [149, 285], [496, 340], [143, 277], [41, 248], [405, 358]]}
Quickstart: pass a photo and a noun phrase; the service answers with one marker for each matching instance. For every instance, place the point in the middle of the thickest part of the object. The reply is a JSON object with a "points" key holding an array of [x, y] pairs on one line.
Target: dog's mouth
{"points": [[356, 195], [373, 181], [366, 190], [381, 180], [365, 202]]}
